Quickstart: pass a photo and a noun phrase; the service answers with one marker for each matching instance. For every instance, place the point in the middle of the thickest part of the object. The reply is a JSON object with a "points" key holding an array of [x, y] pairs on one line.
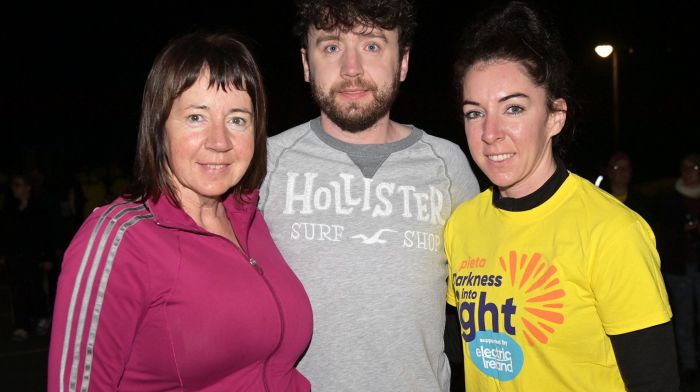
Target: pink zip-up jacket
{"points": [[149, 301]]}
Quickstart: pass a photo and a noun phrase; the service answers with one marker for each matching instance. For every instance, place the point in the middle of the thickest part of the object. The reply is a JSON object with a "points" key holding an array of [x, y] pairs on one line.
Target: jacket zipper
{"points": [[259, 269]]}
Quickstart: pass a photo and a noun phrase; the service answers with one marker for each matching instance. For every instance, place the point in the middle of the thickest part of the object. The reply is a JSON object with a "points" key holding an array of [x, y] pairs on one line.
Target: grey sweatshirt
{"points": [[361, 226]]}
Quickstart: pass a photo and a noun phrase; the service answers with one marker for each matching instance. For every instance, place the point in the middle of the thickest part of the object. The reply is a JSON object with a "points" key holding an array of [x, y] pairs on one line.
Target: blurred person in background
{"points": [[678, 214], [28, 253], [618, 181]]}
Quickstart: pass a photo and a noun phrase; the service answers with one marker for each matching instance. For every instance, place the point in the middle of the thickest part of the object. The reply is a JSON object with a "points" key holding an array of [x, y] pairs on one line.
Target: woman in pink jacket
{"points": [[178, 285]]}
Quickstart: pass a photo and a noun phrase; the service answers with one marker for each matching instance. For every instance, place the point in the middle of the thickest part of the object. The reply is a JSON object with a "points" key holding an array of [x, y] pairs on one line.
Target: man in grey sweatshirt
{"points": [[357, 204]]}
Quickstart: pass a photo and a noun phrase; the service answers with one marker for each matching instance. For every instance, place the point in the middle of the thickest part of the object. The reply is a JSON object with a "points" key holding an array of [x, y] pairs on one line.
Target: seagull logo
{"points": [[374, 239]]}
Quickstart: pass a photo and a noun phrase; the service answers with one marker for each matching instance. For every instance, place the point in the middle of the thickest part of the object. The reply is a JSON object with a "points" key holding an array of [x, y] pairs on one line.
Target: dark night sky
{"points": [[72, 83]]}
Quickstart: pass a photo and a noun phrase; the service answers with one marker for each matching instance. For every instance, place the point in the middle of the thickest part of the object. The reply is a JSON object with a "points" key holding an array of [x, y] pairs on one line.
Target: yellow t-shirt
{"points": [[539, 291]]}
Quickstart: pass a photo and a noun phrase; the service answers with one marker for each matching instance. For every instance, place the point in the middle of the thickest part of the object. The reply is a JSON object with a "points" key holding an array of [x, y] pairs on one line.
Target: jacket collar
{"points": [[167, 214]]}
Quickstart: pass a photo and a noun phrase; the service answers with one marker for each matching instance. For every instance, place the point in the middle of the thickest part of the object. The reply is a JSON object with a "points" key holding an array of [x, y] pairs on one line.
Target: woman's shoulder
{"points": [[603, 209], [474, 204], [592, 195], [118, 209], [112, 220]]}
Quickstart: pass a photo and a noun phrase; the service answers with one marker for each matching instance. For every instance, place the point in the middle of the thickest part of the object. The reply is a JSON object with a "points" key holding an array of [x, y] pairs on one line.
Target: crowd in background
{"points": [[672, 208], [39, 214]]}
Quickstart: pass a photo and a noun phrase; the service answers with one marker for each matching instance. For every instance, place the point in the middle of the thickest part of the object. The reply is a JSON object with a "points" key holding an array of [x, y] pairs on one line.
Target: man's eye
{"points": [[373, 47], [332, 48]]}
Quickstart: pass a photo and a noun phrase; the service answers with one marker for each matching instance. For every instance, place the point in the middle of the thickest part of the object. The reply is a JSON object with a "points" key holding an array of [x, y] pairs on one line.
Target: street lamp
{"points": [[605, 51]]}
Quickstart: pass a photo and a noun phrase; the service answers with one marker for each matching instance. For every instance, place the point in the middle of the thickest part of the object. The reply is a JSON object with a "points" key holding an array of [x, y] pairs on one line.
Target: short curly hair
{"points": [[346, 14]]}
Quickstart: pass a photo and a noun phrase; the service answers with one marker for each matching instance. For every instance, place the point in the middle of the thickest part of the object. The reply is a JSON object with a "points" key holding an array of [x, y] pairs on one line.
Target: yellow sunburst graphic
{"points": [[539, 285]]}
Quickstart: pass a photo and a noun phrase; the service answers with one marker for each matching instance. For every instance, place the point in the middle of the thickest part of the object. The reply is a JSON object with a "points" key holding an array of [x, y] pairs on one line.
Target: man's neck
{"points": [[383, 131]]}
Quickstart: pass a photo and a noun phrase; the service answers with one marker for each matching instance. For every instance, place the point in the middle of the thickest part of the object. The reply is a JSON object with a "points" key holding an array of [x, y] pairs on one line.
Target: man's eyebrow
{"points": [[324, 36], [374, 33], [334, 36]]}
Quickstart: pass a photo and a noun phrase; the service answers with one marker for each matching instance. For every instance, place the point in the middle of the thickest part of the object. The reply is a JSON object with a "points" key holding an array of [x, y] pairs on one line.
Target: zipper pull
{"points": [[255, 265]]}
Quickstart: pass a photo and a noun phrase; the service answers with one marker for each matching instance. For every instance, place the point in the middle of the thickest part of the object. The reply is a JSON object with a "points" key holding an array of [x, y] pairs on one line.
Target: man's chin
{"points": [[353, 124], [354, 106]]}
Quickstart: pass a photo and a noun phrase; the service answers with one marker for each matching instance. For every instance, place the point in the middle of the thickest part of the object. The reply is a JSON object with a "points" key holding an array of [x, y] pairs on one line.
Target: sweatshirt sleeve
{"points": [[100, 300], [274, 150], [464, 184]]}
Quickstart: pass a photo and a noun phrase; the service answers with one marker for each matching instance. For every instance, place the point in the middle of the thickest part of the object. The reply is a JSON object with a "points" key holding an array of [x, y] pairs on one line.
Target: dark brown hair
{"points": [[178, 66], [347, 14], [516, 31]]}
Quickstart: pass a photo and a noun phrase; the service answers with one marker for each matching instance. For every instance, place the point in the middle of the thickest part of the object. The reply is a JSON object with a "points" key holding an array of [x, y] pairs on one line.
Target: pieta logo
{"points": [[525, 301]]}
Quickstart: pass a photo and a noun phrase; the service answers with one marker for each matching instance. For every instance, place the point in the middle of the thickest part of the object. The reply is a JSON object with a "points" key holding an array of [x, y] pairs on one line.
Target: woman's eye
{"points": [[194, 118], [515, 109], [472, 114], [239, 122]]}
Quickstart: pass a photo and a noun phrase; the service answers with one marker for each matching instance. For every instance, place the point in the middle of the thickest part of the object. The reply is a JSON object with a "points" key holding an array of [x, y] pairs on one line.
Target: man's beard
{"points": [[355, 117]]}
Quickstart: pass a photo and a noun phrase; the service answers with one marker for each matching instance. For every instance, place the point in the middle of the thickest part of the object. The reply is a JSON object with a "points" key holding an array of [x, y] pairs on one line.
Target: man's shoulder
{"points": [[443, 148], [440, 142], [292, 134]]}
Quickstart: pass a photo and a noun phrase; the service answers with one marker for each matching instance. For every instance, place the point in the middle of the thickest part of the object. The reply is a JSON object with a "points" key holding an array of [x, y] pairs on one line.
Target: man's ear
{"points": [[305, 63], [404, 63]]}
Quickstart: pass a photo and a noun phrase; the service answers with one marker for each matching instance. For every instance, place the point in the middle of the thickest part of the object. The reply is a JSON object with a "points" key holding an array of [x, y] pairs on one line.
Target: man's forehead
{"points": [[358, 29]]}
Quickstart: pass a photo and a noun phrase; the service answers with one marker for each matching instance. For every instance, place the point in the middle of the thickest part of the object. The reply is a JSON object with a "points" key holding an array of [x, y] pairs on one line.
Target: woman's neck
{"points": [[210, 214]]}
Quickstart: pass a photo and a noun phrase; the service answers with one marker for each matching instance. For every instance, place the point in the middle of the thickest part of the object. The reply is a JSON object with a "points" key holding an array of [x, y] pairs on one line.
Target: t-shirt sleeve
{"points": [[100, 300], [625, 278]]}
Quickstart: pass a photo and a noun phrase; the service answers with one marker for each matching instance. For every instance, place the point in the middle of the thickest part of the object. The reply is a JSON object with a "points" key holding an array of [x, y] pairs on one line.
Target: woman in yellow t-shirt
{"points": [[556, 283]]}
